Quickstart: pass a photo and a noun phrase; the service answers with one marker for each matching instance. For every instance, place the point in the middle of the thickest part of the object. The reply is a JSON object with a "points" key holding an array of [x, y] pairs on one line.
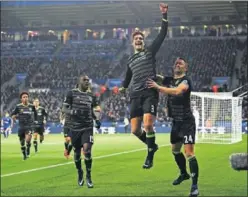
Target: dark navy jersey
{"points": [[179, 105], [41, 115], [142, 65], [26, 114], [83, 103]]}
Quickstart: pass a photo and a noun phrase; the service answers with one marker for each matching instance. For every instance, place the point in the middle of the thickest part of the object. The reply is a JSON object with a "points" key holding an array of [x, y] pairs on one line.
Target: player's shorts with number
{"points": [[143, 104], [183, 131], [78, 138]]}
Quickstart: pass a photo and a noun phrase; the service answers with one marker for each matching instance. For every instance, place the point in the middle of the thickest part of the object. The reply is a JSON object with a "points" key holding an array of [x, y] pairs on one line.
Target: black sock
{"points": [[41, 139], [150, 140], [66, 145], [194, 169], [181, 162], [88, 164], [35, 145], [141, 137], [28, 147], [69, 148], [77, 159], [4, 134], [23, 148]]}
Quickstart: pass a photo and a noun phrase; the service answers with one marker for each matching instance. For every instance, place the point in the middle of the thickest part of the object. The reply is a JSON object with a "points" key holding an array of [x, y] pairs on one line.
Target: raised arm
{"points": [[156, 44]]}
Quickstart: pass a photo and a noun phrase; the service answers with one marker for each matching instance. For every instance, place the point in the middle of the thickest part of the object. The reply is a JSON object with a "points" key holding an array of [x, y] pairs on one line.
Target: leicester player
{"points": [[41, 122], [144, 101], [183, 128], [7, 125], [79, 104], [27, 116]]}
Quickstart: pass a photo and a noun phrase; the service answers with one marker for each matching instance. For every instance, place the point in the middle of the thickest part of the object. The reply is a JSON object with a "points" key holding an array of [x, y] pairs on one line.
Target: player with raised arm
{"points": [[183, 127], [41, 122], [7, 125], [27, 116], [144, 101], [79, 105]]}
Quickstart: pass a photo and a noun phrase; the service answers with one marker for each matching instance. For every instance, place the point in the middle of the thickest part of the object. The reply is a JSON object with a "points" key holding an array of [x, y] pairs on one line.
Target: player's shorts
{"points": [[66, 131], [142, 105], [183, 131], [24, 131], [79, 138], [39, 130]]}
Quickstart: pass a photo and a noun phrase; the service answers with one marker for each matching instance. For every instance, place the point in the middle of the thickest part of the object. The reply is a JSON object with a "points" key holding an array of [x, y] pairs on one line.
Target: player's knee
{"points": [[189, 154], [87, 155], [77, 154], [22, 142], [67, 139], [136, 131], [148, 127]]}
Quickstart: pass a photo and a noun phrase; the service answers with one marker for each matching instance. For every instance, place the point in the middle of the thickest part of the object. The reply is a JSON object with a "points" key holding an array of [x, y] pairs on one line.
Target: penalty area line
{"points": [[67, 163]]}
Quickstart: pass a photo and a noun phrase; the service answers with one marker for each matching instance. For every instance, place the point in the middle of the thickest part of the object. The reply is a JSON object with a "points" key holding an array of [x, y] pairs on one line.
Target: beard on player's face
{"points": [[179, 70]]}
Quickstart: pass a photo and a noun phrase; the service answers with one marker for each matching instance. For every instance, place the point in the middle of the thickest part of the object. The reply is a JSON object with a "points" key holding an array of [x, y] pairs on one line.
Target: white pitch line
{"points": [[63, 164]]}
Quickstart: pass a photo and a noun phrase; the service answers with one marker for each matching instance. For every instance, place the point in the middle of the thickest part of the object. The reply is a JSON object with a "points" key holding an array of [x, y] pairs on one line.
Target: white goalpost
{"points": [[218, 117]]}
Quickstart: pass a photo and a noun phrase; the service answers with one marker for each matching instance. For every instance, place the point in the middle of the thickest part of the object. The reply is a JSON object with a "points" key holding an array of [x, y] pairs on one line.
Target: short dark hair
{"points": [[23, 93], [138, 33], [36, 98], [181, 58]]}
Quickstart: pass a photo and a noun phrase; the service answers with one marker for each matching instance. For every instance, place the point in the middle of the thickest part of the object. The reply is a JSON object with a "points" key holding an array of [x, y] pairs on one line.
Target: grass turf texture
{"points": [[119, 174]]}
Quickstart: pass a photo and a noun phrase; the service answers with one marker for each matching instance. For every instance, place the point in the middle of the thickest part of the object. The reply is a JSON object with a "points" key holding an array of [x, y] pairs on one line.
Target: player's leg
{"points": [[136, 129], [87, 141], [41, 133], [28, 137], [136, 114], [176, 145], [67, 143], [7, 132], [150, 111], [21, 135], [35, 136], [189, 141], [4, 133], [77, 145], [88, 163]]}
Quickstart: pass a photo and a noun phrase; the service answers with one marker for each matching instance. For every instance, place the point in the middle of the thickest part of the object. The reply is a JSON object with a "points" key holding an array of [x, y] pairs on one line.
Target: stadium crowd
{"points": [[207, 57]]}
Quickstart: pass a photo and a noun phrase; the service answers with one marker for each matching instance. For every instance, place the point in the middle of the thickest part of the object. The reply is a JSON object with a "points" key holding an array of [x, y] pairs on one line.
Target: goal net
{"points": [[218, 117]]}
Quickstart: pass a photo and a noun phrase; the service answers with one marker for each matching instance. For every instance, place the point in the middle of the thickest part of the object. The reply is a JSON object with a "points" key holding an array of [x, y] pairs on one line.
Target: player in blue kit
{"points": [[7, 125]]}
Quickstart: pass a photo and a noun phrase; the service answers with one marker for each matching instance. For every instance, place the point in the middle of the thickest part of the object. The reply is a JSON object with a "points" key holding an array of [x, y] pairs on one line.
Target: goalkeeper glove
{"points": [[98, 124], [122, 90]]}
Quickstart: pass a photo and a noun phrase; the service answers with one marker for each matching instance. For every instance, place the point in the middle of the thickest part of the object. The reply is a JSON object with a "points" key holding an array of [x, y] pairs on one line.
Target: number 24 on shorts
{"points": [[188, 139]]}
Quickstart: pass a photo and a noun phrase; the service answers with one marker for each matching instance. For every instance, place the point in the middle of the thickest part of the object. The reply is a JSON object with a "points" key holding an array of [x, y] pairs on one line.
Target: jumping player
{"points": [[183, 128], [144, 101]]}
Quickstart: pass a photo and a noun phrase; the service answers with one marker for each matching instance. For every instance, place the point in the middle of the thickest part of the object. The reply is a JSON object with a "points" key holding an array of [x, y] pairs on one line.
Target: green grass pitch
{"points": [[119, 174]]}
